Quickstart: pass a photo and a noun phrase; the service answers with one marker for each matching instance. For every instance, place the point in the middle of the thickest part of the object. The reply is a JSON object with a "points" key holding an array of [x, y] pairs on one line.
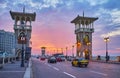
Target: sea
{"points": [[113, 58]]}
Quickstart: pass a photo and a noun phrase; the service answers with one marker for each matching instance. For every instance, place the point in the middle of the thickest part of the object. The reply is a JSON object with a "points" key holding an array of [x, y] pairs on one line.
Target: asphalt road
{"points": [[42, 69]]}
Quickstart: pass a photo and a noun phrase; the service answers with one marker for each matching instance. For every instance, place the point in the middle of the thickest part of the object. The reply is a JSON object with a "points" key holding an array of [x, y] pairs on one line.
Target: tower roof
{"points": [[23, 15], [82, 18]]}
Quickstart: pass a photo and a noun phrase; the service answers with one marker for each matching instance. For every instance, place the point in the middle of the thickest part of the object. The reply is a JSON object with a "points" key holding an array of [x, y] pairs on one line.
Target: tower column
{"points": [[89, 25], [92, 25], [30, 21], [25, 21], [84, 24], [80, 24], [20, 19], [15, 21]]}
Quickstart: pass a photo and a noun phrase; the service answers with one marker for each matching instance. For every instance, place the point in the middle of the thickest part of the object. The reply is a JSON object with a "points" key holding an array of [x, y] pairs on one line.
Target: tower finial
{"points": [[24, 9], [83, 13]]}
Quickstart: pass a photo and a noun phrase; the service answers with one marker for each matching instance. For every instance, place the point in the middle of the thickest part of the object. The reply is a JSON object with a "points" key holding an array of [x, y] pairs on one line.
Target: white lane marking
{"points": [[45, 63], [99, 73], [56, 68], [12, 71], [69, 75], [49, 65]]}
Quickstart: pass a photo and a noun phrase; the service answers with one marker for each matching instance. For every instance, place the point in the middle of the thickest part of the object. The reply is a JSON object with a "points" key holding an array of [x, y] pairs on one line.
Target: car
{"points": [[42, 58], [37, 57], [52, 59], [62, 57], [58, 59], [70, 58], [80, 62]]}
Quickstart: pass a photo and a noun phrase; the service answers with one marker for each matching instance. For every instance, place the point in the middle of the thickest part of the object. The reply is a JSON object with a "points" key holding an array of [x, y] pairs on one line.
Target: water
{"points": [[103, 58]]}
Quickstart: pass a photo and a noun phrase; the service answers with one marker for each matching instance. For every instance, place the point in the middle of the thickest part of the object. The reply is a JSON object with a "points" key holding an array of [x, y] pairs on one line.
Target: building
{"points": [[43, 51], [7, 41], [83, 30]]}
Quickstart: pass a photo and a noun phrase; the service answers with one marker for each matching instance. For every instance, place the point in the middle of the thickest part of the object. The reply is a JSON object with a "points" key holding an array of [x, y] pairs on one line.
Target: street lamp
{"points": [[106, 39], [62, 50], [22, 40], [66, 51], [72, 50], [22, 54]]}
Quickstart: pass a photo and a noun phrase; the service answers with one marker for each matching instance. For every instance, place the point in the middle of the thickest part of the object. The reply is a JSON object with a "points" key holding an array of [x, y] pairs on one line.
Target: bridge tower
{"points": [[22, 23], [83, 30]]}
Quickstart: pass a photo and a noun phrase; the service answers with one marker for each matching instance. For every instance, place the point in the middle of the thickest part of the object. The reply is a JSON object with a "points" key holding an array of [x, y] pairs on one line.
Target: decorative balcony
{"points": [[27, 27], [84, 30]]}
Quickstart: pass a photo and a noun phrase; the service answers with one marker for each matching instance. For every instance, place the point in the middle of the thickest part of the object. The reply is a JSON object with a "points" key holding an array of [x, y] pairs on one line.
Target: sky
{"points": [[52, 27]]}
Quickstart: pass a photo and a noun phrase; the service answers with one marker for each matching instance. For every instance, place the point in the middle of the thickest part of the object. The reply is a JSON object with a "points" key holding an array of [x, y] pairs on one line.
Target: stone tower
{"points": [[22, 22], [83, 30]]}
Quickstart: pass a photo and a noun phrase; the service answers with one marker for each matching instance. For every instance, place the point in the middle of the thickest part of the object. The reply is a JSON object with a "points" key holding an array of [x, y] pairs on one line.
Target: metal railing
{"points": [[25, 27]]}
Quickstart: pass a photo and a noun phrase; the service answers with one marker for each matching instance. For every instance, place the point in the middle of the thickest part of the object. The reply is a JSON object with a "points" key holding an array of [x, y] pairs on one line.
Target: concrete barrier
{"points": [[28, 70]]}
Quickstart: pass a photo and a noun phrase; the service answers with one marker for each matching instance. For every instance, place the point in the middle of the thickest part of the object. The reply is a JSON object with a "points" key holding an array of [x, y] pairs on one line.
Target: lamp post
{"points": [[106, 39], [62, 50], [72, 50], [22, 41], [22, 54], [66, 51]]}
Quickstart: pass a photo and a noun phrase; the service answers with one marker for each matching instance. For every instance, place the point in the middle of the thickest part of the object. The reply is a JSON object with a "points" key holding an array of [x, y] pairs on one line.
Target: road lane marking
{"points": [[99, 73], [56, 68], [49, 65], [45, 63], [69, 75]]}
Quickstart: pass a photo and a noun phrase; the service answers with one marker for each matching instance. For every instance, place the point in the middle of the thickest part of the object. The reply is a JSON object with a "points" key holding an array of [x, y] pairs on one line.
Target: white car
{"points": [[62, 57]]}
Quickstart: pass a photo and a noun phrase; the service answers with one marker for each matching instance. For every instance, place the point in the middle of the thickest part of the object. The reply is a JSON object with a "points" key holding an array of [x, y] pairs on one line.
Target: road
{"points": [[42, 69]]}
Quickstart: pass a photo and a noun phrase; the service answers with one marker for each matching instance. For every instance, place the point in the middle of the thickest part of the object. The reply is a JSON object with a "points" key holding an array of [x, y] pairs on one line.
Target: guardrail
{"points": [[4, 60], [109, 62]]}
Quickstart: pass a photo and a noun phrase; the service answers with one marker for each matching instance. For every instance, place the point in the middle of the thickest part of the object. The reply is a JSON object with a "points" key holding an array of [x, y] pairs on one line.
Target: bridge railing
{"points": [[5, 58]]}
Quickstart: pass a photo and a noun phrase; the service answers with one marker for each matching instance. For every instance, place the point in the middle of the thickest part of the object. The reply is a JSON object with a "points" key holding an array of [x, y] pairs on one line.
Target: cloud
{"points": [[96, 2], [115, 14], [112, 33], [52, 3], [44, 3], [112, 20], [112, 16], [3, 5]]}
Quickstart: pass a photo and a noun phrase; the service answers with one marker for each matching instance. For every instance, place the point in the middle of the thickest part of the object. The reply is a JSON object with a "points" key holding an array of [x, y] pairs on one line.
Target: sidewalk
{"points": [[13, 70]]}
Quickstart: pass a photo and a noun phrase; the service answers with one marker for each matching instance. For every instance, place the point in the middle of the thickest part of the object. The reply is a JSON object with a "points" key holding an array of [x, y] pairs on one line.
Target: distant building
{"points": [[7, 41], [57, 54], [43, 50]]}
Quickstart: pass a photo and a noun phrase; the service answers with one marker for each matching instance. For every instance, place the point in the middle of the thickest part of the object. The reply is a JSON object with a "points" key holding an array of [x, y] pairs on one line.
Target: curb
{"points": [[28, 71]]}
